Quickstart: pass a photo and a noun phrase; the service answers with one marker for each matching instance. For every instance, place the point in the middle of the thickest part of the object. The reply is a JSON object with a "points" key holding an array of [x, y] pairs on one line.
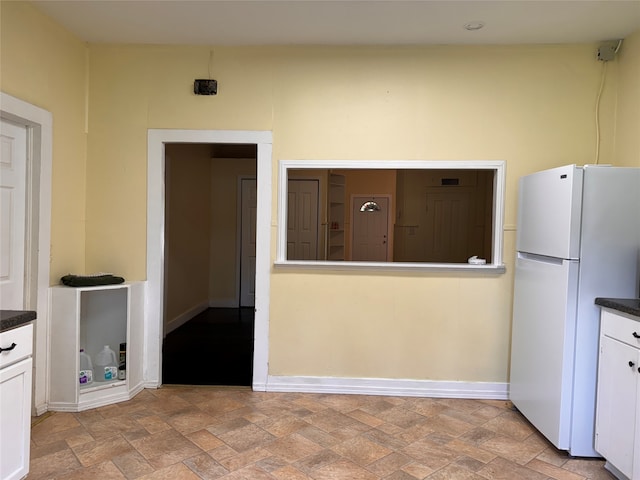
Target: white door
{"points": [[370, 230], [617, 404], [248, 242], [13, 161], [549, 212], [542, 344], [15, 404], [302, 220]]}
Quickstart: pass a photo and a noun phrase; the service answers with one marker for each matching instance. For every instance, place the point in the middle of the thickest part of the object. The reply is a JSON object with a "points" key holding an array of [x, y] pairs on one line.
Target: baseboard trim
{"points": [[41, 409], [386, 386], [185, 317], [98, 398], [224, 303]]}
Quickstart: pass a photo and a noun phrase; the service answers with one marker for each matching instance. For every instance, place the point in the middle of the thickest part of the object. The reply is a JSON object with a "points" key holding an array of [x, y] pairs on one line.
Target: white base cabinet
{"points": [[15, 402], [618, 404], [90, 318]]}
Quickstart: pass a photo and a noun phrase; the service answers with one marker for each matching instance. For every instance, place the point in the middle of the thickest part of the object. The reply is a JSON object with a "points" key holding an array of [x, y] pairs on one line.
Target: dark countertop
{"points": [[14, 318], [626, 305]]}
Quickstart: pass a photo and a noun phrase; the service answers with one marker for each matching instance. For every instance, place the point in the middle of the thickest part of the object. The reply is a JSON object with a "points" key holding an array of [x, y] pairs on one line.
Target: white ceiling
{"points": [[339, 22]]}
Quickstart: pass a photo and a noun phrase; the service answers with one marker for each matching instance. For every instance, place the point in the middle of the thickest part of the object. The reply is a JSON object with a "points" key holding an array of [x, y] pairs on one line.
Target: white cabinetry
{"points": [[618, 405], [15, 401], [90, 318]]}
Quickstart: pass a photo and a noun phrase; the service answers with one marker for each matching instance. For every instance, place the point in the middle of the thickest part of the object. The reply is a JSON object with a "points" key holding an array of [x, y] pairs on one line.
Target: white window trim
{"points": [[496, 266]]}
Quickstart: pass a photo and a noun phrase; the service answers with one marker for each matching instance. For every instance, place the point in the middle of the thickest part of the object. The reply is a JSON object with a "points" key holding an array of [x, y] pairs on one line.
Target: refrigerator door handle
{"points": [[540, 258]]}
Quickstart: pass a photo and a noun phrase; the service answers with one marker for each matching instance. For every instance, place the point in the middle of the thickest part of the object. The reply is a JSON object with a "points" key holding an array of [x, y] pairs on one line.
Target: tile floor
{"points": [[232, 433]]}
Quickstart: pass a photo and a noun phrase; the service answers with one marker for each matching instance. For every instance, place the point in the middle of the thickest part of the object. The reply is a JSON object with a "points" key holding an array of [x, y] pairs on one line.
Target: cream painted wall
{"points": [[188, 225], [531, 106], [628, 112], [43, 64]]}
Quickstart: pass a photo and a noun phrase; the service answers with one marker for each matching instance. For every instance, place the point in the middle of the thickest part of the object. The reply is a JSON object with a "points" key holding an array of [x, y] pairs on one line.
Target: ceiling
{"points": [[340, 22]]}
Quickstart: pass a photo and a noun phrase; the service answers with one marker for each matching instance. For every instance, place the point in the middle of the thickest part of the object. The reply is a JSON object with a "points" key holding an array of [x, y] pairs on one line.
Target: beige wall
{"points": [[188, 227], [628, 112], [532, 106], [43, 64]]}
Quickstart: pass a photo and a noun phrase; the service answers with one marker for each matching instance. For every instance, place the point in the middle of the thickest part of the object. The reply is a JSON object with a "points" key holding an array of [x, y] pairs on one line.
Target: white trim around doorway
{"points": [[156, 140], [39, 124]]}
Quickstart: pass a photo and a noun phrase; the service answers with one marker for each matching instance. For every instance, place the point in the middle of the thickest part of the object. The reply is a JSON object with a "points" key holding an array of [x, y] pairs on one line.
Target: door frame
{"points": [[39, 125], [156, 140], [389, 222]]}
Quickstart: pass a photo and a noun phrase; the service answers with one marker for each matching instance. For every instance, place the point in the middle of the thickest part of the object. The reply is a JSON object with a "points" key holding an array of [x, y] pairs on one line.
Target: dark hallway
{"points": [[213, 348]]}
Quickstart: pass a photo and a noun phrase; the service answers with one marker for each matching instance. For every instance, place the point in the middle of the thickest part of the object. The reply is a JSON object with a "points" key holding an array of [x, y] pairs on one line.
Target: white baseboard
{"points": [[386, 386], [40, 409], [223, 303], [98, 398], [185, 317]]}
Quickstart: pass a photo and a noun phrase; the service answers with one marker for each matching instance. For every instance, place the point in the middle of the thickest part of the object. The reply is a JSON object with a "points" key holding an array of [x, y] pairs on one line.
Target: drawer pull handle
{"points": [[635, 335], [8, 349], [631, 364]]}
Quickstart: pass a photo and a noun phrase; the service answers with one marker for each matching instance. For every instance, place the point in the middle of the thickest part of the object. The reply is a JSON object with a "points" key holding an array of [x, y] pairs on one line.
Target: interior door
{"points": [[302, 220], [446, 226], [248, 242], [370, 230], [13, 161]]}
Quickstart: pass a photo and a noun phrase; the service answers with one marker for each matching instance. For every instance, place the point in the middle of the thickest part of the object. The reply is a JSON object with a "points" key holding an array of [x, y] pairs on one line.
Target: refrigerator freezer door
{"points": [[542, 344], [549, 212]]}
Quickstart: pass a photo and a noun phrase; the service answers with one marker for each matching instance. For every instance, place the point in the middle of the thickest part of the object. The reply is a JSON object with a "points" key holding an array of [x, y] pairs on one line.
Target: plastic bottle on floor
{"points": [[106, 365], [86, 369]]}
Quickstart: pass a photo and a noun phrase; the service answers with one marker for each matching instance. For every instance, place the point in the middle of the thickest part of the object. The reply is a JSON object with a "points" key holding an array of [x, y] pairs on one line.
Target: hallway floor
{"points": [[233, 433], [213, 348]]}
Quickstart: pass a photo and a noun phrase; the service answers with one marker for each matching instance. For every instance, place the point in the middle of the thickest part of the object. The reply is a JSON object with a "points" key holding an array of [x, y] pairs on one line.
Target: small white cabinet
{"points": [[618, 405], [90, 318], [15, 401]]}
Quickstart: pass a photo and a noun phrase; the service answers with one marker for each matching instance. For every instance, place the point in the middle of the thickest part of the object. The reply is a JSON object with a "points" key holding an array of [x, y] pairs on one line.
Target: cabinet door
{"points": [[617, 403], [15, 405]]}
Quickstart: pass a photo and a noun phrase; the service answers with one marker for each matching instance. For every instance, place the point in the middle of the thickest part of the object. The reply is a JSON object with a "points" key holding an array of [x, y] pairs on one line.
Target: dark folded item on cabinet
{"points": [[90, 280]]}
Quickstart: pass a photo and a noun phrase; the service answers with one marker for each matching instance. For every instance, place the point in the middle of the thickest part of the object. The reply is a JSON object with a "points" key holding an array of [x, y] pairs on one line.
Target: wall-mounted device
{"points": [[205, 87], [607, 50]]}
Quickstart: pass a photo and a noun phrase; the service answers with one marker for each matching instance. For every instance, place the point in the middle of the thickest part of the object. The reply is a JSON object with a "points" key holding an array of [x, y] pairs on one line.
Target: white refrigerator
{"points": [[578, 238]]}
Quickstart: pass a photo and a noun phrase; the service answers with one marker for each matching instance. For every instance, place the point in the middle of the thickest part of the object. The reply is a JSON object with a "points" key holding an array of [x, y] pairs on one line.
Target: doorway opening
{"points": [[210, 251], [157, 139]]}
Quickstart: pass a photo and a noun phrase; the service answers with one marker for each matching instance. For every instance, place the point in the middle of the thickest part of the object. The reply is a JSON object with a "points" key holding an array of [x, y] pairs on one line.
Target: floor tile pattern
{"points": [[233, 433]]}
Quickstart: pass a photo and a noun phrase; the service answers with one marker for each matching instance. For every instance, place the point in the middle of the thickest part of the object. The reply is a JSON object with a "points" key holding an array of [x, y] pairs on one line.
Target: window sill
{"points": [[389, 266]]}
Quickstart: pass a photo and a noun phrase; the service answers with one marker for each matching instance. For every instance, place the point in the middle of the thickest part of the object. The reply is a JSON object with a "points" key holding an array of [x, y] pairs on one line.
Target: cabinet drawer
{"points": [[23, 339], [621, 328]]}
